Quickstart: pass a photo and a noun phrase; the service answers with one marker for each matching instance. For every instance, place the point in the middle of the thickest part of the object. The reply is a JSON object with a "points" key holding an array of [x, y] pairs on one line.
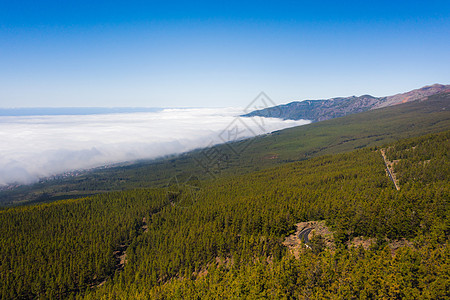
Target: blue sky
{"points": [[216, 54]]}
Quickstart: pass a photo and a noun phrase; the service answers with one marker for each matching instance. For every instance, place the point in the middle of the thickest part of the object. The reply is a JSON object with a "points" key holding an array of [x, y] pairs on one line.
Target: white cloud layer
{"points": [[33, 147]]}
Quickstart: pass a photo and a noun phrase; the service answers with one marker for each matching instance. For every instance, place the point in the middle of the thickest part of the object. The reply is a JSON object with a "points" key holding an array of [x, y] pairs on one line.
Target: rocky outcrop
{"points": [[320, 110], [417, 94]]}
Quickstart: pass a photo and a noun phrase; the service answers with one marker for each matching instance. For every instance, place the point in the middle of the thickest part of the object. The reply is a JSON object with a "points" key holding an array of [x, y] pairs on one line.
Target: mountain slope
{"points": [[371, 128], [417, 94], [227, 241], [320, 110]]}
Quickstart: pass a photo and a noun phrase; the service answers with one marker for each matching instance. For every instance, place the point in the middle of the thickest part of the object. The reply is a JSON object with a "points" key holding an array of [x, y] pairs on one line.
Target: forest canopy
{"points": [[224, 238]]}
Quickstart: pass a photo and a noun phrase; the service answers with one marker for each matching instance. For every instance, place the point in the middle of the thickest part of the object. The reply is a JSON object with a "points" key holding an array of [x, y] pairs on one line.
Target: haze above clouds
{"points": [[34, 147]]}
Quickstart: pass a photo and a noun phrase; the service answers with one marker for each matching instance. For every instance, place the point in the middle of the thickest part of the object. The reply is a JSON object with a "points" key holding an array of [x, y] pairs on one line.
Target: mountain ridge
{"points": [[325, 109], [355, 131]]}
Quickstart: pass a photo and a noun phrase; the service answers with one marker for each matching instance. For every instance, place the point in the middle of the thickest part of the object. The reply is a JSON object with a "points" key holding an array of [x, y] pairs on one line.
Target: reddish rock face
{"points": [[320, 110], [413, 95]]}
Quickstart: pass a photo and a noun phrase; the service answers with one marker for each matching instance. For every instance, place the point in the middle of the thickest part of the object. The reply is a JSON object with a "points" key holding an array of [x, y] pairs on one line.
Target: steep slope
{"points": [[319, 110]]}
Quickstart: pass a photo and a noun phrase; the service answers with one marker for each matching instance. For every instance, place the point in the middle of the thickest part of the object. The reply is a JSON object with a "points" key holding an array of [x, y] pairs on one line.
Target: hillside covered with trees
{"points": [[223, 238]]}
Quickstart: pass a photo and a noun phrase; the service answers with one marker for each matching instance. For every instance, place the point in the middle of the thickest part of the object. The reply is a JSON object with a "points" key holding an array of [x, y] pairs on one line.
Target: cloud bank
{"points": [[34, 147]]}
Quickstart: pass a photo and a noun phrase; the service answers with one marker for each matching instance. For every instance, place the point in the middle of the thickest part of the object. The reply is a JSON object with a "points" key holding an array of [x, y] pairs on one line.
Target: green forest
{"points": [[222, 238], [368, 129]]}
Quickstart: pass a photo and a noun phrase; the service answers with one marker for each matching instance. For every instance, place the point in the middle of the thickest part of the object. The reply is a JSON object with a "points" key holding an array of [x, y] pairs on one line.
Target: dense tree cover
{"points": [[55, 249], [243, 220], [345, 274], [224, 239], [422, 160]]}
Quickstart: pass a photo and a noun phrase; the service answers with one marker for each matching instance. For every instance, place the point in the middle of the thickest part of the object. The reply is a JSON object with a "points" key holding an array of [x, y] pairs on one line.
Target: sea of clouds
{"points": [[34, 147]]}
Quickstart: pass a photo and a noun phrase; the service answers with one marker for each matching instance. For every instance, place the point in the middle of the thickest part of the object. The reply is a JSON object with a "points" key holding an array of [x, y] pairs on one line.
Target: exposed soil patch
{"points": [[295, 244], [271, 156], [121, 256], [144, 226], [367, 243], [397, 244], [202, 273], [227, 262]]}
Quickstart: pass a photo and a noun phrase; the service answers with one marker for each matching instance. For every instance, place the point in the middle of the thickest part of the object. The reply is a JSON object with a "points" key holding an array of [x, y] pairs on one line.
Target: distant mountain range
{"points": [[320, 110]]}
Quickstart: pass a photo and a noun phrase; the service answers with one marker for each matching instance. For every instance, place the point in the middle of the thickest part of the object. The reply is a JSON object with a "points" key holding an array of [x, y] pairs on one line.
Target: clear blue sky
{"points": [[205, 53]]}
